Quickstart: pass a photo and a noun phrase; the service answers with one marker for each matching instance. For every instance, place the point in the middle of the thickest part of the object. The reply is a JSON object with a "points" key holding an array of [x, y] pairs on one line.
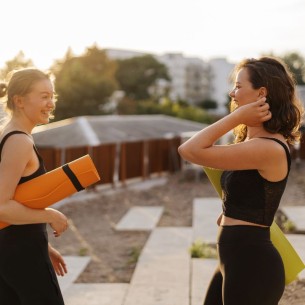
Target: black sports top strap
{"points": [[284, 146], [41, 169], [7, 136]]}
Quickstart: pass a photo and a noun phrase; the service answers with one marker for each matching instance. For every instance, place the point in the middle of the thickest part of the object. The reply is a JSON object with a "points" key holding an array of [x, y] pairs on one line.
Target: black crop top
{"points": [[41, 169], [248, 196]]}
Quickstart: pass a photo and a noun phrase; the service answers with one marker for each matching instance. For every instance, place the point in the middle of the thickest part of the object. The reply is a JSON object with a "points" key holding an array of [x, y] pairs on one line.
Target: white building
{"points": [[221, 84], [122, 54], [192, 79]]}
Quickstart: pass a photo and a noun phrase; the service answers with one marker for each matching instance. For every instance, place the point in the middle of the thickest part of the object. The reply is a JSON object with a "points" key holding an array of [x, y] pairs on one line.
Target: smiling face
{"points": [[38, 104], [243, 92]]}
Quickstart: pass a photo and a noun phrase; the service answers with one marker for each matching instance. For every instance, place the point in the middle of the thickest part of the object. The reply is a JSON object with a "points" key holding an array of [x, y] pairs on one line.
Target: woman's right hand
{"points": [[58, 221]]}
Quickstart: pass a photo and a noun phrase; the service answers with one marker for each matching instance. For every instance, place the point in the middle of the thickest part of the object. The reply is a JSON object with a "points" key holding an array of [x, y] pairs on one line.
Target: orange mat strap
{"points": [[72, 177]]}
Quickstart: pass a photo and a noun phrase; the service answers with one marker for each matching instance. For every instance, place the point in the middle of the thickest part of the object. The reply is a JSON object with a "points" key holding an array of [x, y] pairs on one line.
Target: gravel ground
{"points": [[114, 254]]}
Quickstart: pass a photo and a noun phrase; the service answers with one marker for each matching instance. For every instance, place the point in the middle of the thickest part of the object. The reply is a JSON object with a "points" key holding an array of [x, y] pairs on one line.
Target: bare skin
{"points": [[18, 159], [254, 153]]}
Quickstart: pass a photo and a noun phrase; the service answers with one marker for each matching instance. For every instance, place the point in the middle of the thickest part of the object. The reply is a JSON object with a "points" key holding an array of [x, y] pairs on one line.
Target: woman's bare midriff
{"points": [[228, 221]]}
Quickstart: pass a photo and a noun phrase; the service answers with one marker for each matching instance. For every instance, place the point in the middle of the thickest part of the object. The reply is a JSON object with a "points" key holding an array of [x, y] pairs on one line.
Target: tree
{"points": [[84, 84], [296, 64], [136, 75], [208, 104], [19, 61]]}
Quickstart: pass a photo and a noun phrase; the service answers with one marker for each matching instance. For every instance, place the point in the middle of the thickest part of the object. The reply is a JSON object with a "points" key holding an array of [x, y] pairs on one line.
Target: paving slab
{"points": [[96, 294], [205, 214], [140, 218], [108, 189], [298, 242], [76, 265], [202, 272], [148, 184], [162, 274], [297, 215]]}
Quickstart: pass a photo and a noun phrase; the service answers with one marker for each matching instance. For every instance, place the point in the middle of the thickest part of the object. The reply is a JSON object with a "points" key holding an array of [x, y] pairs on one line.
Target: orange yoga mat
{"points": [[57, 184]]}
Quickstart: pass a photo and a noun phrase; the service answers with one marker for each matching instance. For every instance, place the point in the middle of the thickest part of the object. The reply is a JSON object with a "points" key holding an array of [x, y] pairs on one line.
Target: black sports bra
{"points": [[248, 196], [41, 169]]}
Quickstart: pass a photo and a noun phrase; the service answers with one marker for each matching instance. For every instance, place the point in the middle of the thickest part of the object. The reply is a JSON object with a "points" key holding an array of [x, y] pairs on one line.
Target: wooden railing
{"points": [[120, 162], [127, 160]]}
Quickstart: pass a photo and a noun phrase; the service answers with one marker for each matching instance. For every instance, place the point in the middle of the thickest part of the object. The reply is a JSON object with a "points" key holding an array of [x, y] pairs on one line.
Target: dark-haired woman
{"points": [[28, 264], [265, 117]]}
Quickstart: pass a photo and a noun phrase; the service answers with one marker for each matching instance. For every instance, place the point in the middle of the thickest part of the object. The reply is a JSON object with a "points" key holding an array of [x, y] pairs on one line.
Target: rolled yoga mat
{"points": [[293, 264], [56, 185]]}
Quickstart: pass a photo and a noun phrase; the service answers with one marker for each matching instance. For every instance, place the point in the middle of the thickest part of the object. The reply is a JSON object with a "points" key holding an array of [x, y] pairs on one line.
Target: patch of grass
{"points": [[134, 254], [284, 223], [289, 226], [200, 249], [82, 251]]}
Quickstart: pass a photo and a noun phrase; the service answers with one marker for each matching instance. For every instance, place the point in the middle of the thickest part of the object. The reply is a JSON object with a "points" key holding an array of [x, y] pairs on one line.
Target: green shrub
{"points": [[83, 252], [200, 249], [134, 254], [289, 226]]}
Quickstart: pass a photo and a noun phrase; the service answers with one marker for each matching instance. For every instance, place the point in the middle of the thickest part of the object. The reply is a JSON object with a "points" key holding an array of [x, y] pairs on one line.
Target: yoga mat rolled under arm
{"points": [[56, 185], [293, 264]]}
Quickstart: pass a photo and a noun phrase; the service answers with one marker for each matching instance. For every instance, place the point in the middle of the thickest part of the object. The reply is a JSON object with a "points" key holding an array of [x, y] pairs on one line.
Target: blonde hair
{"points": [[19, 82]]}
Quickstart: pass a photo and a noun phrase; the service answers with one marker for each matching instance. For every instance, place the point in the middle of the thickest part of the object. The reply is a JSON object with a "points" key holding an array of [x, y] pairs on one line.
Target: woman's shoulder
{"points": [[15, 139], [7, 133], [271, 146], [275, 140]]}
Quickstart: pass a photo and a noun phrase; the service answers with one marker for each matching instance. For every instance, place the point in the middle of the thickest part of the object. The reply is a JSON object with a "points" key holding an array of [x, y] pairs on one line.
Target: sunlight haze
{"points": [[235, 29]]}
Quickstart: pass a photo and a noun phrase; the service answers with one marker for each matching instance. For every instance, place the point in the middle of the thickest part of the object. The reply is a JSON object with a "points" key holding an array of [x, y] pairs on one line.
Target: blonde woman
{"points": [[28, 264]]}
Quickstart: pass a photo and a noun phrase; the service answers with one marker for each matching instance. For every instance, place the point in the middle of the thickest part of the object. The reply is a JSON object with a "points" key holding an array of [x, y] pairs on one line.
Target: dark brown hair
{"points": [[286, 109]]}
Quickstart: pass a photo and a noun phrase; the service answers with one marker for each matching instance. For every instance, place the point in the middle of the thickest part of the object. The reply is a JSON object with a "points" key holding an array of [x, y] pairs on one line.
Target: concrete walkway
{"points": [[202, 272], [162, 274], [96, 294], [205, 214], [140, 218], [297, 215], [165, 273], [76, 265], [298, 242]]}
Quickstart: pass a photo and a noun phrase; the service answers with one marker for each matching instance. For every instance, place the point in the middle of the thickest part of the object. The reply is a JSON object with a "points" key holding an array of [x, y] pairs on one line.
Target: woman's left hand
{"points": [[58, 262]]}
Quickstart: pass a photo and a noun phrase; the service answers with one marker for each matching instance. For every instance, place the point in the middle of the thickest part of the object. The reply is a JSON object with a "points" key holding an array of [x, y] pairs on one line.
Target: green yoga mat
{"points": [[293, 264]]}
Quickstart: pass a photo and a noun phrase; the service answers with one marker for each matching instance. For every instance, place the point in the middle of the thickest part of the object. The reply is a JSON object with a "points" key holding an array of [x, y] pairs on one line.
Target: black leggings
{"points": [[27, 276], [250, 272]]}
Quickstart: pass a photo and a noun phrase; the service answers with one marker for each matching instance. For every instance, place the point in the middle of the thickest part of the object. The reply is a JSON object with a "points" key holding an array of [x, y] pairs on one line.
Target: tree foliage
{"points": [[208, 104], [136, 75], [296, 64], [84, 84], [166, 107], [19, 61]]}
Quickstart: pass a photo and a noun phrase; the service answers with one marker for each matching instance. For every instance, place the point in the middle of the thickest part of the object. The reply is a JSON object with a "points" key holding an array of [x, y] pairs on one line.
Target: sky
{"points": [[235, 29]]}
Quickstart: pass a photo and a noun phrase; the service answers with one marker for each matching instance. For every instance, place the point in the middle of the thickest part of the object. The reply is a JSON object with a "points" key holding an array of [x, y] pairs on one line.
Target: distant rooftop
{"points": [[95, 130]]}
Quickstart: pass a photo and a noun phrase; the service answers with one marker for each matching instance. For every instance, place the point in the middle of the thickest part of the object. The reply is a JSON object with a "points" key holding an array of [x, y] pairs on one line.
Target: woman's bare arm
{"points": [[16, 154]]}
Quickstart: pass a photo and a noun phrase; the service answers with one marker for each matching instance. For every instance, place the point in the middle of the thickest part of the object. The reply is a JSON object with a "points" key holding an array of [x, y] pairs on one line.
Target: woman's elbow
{"points": [[181, 150], [185, 152], [2, 213]]}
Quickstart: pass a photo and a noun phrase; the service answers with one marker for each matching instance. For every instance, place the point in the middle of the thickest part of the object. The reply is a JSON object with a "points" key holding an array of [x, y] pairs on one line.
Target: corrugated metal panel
{"points": [[111, 129]]}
